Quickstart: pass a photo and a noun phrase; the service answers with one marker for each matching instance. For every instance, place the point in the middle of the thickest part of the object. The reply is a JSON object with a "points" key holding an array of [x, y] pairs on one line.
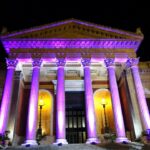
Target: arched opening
{"points": [[102, 97], [45, 105]]}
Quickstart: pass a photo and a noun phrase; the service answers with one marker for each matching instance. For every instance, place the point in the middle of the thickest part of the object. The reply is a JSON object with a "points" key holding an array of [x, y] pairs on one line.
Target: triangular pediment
{"points": [[73, 28]]}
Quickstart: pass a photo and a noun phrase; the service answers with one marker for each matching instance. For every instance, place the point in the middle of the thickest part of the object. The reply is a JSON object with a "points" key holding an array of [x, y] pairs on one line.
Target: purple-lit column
{"points": [[7, 93], [60, 104], [89, 104], [144, 112], [33, 104], [119, 123]]}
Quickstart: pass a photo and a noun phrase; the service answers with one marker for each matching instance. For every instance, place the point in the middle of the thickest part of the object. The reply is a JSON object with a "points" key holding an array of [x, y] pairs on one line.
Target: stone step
{"points": [[108, 146]]}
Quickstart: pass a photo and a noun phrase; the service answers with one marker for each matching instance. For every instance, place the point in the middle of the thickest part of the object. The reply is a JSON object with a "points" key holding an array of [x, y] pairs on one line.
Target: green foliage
{"points": [[110, 136]]}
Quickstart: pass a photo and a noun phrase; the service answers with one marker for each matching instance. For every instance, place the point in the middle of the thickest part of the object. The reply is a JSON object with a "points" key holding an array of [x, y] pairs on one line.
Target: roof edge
{"points": [[36, 28]]}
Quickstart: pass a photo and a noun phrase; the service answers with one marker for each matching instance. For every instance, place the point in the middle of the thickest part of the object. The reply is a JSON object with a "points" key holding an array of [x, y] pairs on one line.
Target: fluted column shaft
{"points": [[119, 123], [89, 104], [60, 104], [33, 104], [144, 112], [7, 93]]}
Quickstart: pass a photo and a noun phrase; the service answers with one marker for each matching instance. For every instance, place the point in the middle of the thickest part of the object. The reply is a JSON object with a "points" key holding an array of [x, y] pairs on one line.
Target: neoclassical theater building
{"points": [[76, 81]]}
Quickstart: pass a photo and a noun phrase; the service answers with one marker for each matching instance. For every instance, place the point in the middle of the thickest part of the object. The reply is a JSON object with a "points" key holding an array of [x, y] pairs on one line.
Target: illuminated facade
{"points": [[72, 66]]}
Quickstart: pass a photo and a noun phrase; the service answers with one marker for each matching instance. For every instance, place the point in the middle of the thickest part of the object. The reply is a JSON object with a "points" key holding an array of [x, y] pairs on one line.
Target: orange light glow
{"points": [[45, 100], [103, 101], [101, 97], [41, 102]]}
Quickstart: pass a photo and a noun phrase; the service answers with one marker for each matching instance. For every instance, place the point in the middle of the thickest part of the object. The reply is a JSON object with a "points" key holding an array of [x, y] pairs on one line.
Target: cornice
{"points": [[70, 44], [89, 24]]}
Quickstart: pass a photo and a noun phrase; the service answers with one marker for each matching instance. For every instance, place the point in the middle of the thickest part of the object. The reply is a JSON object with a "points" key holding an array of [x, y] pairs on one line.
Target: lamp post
{"points": [[104, 103], [39, 131]]}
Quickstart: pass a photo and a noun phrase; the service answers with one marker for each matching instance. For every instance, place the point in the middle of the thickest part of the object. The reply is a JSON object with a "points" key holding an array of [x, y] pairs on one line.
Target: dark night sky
{"points": [[19, 14]]}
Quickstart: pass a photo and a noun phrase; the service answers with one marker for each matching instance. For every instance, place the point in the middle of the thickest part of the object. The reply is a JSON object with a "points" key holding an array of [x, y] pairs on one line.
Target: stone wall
{"points": [[144, 68]]}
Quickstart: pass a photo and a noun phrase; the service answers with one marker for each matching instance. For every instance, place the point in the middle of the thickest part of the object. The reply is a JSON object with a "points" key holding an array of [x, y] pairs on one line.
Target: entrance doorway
{"points": [[103, 112], [75, 117]]}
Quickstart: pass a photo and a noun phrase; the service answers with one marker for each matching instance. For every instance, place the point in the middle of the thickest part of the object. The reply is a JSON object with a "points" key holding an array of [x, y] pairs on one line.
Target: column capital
{"points": [[109, 62], [86, 62], [61, 62], [36, 63], [132, 62], [11, 63]]}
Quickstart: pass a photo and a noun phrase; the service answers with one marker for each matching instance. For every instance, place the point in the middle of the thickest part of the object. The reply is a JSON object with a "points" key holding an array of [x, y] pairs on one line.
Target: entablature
{"points": [[44, 44], [73, 70]]}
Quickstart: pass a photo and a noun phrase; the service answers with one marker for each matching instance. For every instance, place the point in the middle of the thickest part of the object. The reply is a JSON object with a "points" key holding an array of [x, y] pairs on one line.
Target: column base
{"points": [[60, 142], [30, 143], [92, 141], [122, 139]]}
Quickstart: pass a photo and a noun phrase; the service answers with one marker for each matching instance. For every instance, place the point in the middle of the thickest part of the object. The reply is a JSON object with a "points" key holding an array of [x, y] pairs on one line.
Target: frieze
{"points": [[60, 55], [85, 54], [13, 55], [36, 55], [119, 57], [24, 55], [11, 63], [71, 55], [73, 50]]}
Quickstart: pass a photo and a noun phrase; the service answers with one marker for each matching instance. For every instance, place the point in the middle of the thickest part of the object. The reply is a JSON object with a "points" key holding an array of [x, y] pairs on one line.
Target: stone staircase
{"points": [[108, 146]]}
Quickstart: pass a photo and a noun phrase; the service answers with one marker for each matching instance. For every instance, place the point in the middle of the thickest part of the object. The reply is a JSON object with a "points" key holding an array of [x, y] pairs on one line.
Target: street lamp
{"points": [[39, 131], [104, 103]]}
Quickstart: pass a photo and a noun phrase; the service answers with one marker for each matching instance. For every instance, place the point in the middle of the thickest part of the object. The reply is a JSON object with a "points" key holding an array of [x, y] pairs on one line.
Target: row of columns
{"points": [[143, 108], [60, 101]]}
